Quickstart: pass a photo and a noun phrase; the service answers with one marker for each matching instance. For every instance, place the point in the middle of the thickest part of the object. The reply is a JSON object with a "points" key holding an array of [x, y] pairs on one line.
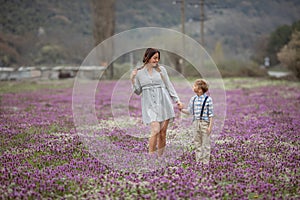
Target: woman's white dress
{"points": [[156, 95]]}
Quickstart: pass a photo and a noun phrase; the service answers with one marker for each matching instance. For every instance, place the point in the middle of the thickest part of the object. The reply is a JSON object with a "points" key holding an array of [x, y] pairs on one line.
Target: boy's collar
{"points": [[202, 95]]}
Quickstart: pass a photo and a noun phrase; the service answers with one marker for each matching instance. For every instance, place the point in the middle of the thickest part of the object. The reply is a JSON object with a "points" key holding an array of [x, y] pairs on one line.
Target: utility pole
{"points": [[179, 61], [182, 10], [202, 21], [203, 18], [182, 16]]}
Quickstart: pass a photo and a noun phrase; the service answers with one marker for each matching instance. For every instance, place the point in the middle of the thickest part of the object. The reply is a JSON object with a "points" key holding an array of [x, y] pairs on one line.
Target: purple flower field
{"points": [[257, 154]]}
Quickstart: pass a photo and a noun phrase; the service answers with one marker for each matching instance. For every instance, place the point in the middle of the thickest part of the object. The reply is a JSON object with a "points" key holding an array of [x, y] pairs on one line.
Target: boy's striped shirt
{"points": [[197, 102]]}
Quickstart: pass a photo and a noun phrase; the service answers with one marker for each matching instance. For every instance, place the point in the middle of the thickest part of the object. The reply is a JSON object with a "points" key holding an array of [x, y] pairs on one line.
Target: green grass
{"points": [[27, 85], [229, 83], [243, 82], [247, 83]]}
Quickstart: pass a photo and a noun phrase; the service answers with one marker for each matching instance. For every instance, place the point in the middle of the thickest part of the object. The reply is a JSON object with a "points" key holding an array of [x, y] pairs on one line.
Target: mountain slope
{"points": [[27, 26]]}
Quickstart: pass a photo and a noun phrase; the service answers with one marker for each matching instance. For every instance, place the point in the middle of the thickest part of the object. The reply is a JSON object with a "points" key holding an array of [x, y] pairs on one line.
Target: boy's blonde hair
{"points": [[202, 84]]}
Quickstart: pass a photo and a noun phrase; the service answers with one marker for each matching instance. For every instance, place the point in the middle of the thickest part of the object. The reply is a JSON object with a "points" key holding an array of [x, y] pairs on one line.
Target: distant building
{"points": [[41, 31], [267, 62]]}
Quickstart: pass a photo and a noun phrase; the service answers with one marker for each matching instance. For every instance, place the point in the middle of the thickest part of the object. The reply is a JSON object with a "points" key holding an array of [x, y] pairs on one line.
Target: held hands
{"points": [[182, 109], [179, 105]]}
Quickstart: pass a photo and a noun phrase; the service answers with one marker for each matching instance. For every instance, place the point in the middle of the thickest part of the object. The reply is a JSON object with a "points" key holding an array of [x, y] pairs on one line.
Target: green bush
{"points": [[191, 71], [229, 68], [50, 54], [289, 55], [121, 70], [234, 68]]}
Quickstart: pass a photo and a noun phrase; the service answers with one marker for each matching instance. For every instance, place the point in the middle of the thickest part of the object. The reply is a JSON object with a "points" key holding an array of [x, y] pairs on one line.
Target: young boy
{"points": [[201, 107]]}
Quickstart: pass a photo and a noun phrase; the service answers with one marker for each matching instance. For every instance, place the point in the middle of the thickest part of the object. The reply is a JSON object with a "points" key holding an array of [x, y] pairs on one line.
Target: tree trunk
{"points": [[104, 27], [175, 61]]}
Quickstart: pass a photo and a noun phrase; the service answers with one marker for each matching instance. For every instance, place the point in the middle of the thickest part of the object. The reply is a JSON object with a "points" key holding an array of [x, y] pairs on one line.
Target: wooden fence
{"points": [[58, 72]]}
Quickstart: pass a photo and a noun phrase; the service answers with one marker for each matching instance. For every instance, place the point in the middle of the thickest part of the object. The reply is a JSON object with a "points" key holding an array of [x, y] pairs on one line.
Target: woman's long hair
{"points": [[148, 55]]}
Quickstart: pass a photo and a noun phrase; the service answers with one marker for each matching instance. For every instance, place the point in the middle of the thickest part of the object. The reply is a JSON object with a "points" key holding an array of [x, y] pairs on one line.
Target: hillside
{"points": [[237, 25], [34, 32]]}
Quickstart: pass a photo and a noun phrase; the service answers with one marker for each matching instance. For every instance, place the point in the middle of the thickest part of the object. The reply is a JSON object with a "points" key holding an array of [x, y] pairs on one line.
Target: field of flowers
{"points": [[257, 154]]}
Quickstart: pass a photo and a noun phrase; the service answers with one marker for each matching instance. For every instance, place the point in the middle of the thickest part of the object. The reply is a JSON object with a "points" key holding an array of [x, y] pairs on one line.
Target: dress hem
{"points": [[171, 120]]}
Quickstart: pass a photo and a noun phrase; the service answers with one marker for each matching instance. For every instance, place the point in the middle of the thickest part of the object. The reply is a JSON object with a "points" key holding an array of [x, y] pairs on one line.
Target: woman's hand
{"points": [[156, 67], [133, 74]]}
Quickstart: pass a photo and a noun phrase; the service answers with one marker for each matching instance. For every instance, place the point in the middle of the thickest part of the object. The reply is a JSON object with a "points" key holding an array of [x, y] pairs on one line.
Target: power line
{"points": [[203, 18]]}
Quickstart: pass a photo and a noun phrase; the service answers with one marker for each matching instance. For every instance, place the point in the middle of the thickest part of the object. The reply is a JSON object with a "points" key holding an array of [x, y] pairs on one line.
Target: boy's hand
{"points": [[179, 105]]}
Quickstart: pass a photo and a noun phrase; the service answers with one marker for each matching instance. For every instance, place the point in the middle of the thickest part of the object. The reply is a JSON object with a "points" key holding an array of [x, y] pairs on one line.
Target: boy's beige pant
{"points": [[201, 141]]}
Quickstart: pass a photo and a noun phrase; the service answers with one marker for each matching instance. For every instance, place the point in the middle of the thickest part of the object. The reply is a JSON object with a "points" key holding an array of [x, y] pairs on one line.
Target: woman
{"points": [[152, 81]]}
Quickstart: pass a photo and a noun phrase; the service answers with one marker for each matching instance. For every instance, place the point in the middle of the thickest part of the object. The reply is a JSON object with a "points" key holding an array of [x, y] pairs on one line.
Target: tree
{"points": [[260, 49], [218, 54], [296, 26], [176, 61], [278, 39], [289, 55], [104, 27]]}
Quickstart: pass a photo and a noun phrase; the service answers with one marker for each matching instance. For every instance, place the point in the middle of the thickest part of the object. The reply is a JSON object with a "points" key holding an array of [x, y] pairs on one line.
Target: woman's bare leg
{"points": [[162, 137], [155, 129]]}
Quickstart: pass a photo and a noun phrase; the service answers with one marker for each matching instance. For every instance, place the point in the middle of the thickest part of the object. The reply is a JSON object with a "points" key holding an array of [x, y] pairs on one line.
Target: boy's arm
{"points": [[188, 109], [185, 111], [210, 115], [209, 129]]}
